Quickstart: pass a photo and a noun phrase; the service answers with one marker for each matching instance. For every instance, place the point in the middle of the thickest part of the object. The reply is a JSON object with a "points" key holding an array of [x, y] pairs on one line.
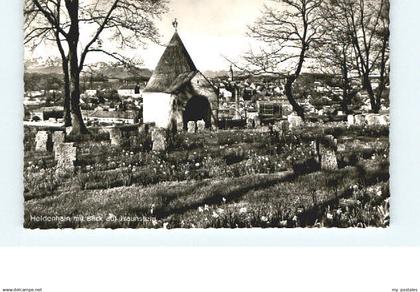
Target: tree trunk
{"points": [[65, 68], [67, 109], [292, 78], [346, 89], [368, 86], [289, 94], [383, 77], [76, 114], [73, 40]]}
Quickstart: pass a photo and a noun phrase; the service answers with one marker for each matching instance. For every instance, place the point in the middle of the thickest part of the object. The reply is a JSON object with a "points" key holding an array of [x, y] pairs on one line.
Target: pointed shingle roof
{"points": [[175, 64]]}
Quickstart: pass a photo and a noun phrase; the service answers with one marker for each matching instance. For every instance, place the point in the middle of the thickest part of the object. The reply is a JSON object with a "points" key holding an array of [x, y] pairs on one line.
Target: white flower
{"points": [[215, 215], [206, 207], [200, 209], [242, 210], [264, 219], [197, 164], [329, 216], [224, 200]]}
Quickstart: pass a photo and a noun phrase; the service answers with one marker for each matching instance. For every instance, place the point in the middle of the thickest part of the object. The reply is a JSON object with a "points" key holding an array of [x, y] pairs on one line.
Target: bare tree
{"points": [[39, 31], [287, 29], [367, 21], [334, 53], [126, 22]]}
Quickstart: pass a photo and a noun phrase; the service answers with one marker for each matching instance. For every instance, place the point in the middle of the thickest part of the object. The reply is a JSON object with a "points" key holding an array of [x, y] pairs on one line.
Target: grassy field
{"points": [[216, 179]]}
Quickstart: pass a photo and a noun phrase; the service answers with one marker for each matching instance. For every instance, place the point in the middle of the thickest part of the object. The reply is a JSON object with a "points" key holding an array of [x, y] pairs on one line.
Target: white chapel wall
{"points": [[157, 108]]}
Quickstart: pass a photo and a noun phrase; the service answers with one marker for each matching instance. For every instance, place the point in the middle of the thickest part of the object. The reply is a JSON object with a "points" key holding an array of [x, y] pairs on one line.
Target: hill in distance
{"points": [[111, 71]]}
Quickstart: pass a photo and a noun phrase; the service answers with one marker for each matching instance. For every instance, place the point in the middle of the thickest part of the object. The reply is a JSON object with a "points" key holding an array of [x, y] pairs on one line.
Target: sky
{"points": [[210, 29]]}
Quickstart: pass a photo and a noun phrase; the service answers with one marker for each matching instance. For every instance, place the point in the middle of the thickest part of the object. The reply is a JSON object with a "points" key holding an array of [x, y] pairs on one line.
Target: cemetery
{"points": [[292, 135], [291, 174]]}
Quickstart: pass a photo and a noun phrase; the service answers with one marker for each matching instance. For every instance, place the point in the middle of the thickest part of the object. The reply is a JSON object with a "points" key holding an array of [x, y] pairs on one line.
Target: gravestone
{"points": [[294, 121], [115, 136], [57, 137], [327, 153], [250, 123], [65, 155], [159, 140], [191, 127], [350, 120], [376, 120], [359, 120], [201, 126], [41, 141], [328, 159], [371, 119], [257, 122], [383, 120]]}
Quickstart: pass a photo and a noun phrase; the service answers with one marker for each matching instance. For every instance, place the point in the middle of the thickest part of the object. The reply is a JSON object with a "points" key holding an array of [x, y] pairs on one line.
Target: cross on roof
{"points": [[175, 24]]}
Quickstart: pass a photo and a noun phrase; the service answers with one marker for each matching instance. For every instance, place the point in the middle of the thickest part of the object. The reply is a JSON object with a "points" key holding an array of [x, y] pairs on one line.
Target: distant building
{"points": [[130, 90], [177, 92], [46, 113]]}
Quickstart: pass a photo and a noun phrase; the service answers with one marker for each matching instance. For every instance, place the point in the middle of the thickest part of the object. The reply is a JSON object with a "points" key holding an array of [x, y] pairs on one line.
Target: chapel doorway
{"points": [[197, 108]]}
